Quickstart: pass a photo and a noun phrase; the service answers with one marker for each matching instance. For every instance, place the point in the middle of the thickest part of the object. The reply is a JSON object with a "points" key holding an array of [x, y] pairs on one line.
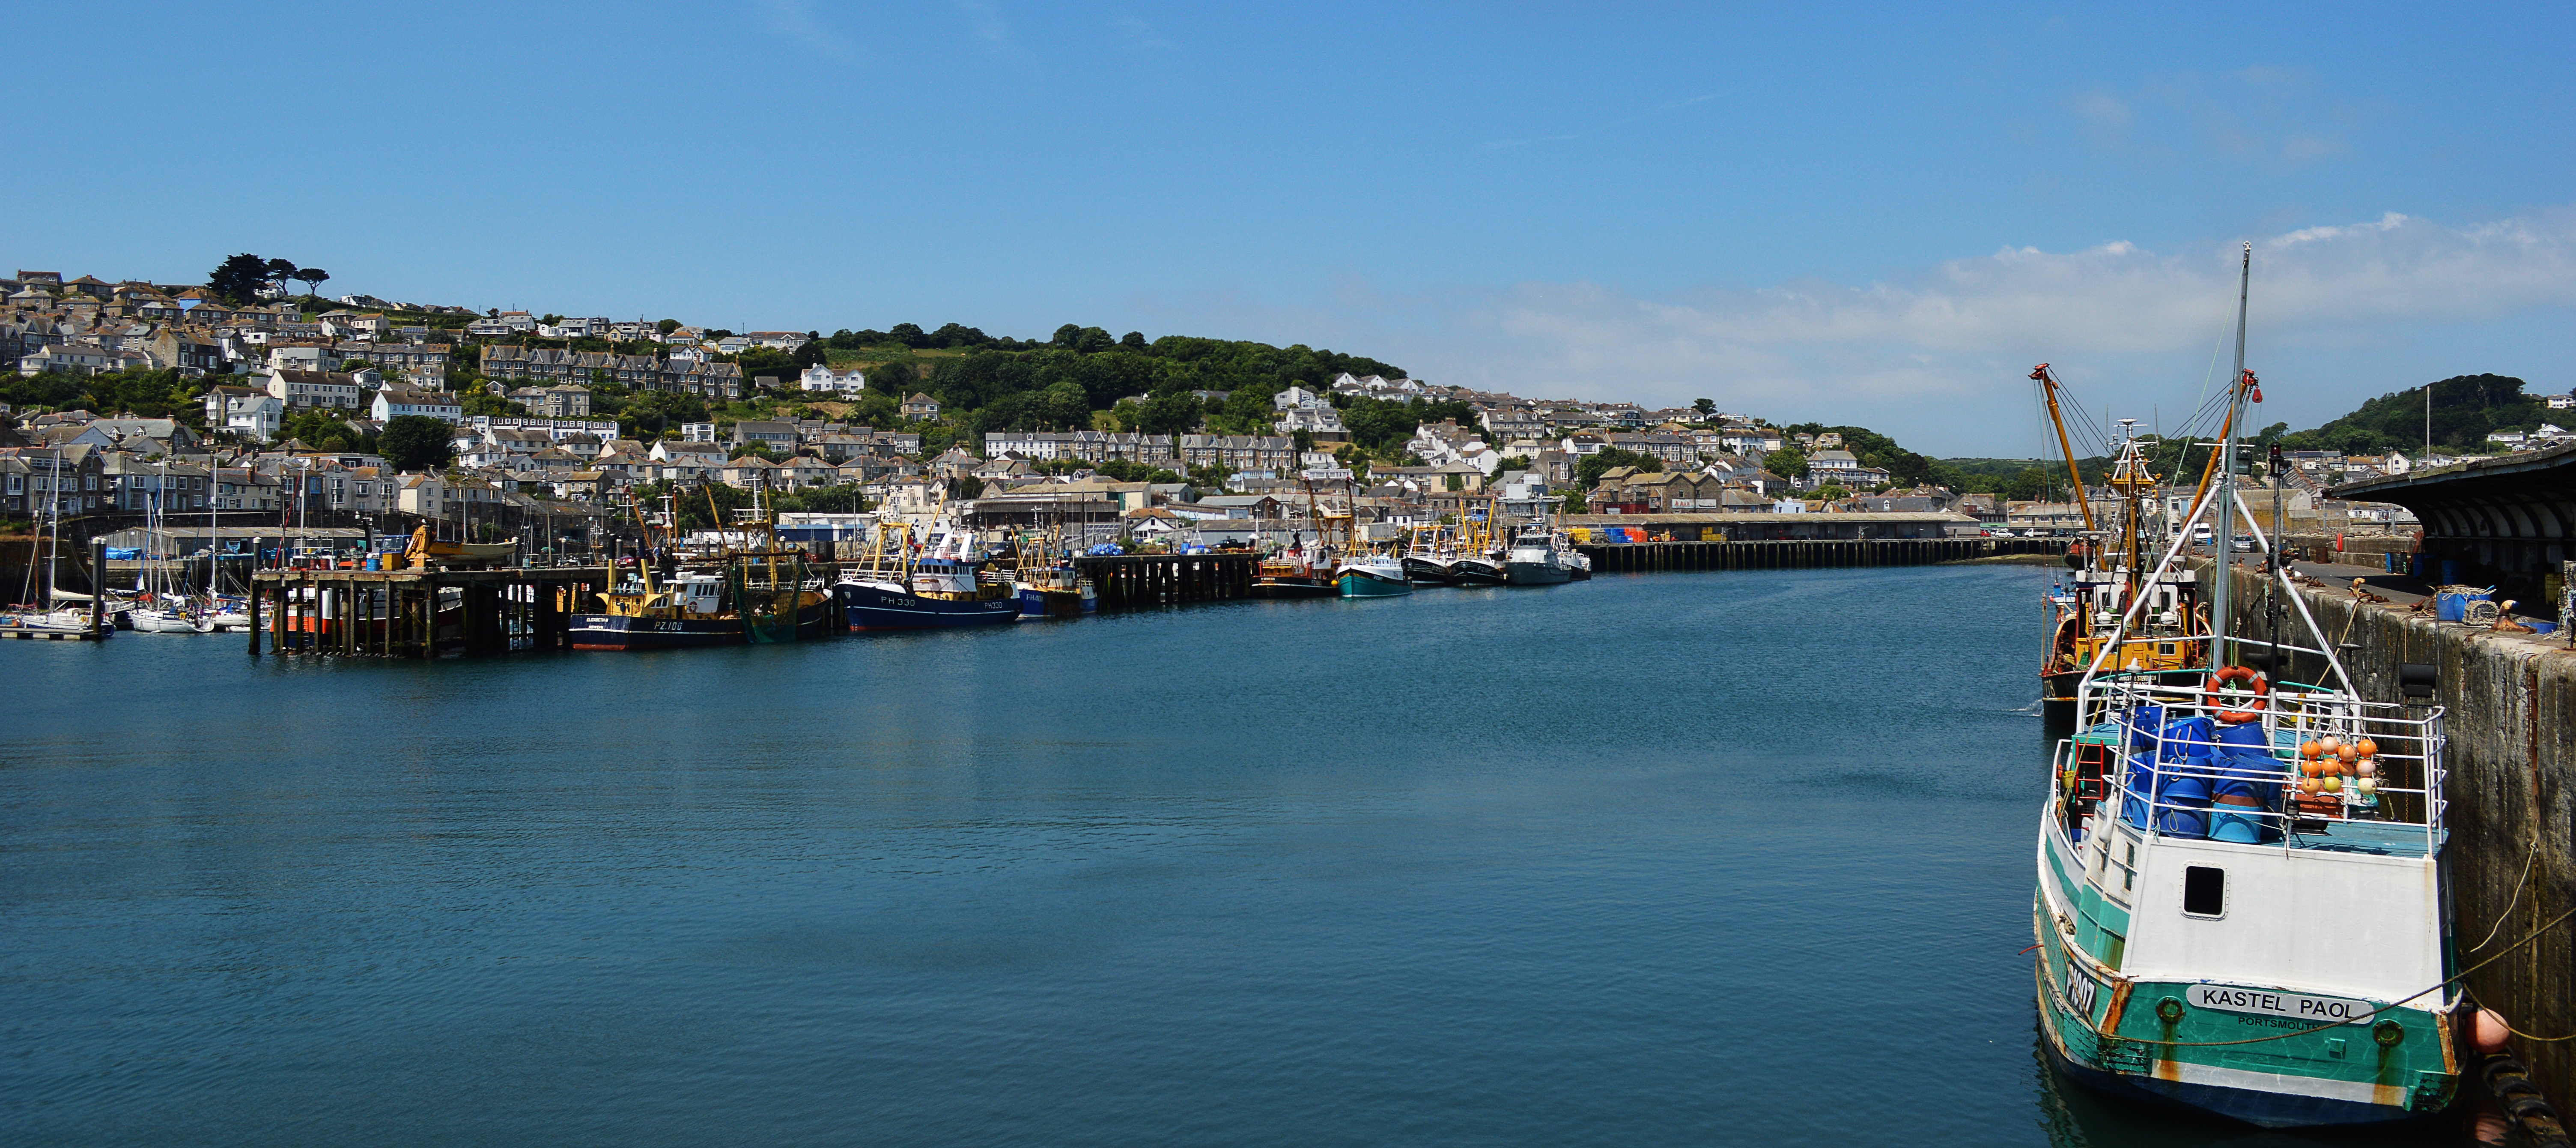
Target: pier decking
{"points": [[418, 613]]}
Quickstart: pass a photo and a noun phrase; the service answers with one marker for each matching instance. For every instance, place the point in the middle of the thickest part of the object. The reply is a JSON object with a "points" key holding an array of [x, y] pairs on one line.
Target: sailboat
{"points": [[2242, 877], [160, 608], [48, 616]]}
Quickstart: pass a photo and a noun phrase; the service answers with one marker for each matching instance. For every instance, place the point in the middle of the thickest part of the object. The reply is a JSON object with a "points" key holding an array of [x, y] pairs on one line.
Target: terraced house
{"points": [[637, 372]]}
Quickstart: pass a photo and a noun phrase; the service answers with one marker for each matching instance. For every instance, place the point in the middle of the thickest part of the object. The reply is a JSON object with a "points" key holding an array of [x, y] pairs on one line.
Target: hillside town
{"points": [[562, 419]]}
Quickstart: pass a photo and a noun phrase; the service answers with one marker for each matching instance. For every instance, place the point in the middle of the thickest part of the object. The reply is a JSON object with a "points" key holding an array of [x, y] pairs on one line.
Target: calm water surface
{"points": [[1724, 858]]}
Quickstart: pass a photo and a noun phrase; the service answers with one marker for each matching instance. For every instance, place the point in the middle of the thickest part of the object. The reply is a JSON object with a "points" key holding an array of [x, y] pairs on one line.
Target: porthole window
{"points": [[2204, 891]]}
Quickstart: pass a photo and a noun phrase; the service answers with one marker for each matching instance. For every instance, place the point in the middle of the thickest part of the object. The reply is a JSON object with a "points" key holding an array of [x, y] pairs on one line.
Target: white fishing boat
{"points": [[2242, 894], [1372, 575], [1538, 557]]}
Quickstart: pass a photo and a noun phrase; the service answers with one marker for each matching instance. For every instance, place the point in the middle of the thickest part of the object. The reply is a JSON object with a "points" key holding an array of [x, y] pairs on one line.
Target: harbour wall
{"points": [[1804, 554], [2510, 702]]}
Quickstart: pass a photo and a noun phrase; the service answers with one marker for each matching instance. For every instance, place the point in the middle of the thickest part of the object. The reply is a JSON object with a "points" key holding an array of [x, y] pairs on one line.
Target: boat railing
{"points": [[2307, 768]]}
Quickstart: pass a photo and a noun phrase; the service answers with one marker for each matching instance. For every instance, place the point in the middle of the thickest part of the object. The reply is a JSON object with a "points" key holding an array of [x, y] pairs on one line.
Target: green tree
{"points": [[417, 442], [237, 279], [667, 326], [895, 379], [311, 277], [1169, 414], [1705, 407], [1787, 462], [1588, 472]]}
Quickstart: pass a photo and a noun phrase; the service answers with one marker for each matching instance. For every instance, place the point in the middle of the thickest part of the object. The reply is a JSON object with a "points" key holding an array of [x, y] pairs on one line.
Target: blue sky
{"points": [[1880, 216]]}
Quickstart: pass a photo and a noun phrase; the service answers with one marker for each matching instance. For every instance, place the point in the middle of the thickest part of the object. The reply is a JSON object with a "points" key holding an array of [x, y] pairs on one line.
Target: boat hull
{"points": [[1428, 571], [1294, 588], [1363, 584], [874, 608], [1478, 572], [2106, 1031], [1536, 573], [2057, 695], [619, 632], [1035, 603]]}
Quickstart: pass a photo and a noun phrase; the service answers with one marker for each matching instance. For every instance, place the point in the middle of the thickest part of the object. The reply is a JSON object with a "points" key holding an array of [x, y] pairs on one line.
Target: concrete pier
{"points": [[2510, 702]]}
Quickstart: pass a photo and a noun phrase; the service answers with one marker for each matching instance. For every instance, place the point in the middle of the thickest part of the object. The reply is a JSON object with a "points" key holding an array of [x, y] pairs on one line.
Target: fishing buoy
{"points": [[2369, 785], [2329, 743], [2308, 784], [2348, 753], [2311, 768], [2367, 747], [2310, 749], [2488, 1032], [2333, 784], [2366, 767]]}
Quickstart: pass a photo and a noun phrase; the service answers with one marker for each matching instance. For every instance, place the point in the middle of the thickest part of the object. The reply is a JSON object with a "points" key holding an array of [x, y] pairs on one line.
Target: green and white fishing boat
{"points": [[2243, 896]]}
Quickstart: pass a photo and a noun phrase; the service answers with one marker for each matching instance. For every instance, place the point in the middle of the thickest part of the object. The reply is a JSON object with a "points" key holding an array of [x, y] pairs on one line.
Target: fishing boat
{"points": [[1370, 574], [1430, 556], [1479, 560], [1304, 571], [1049, 586], [757, 593], [1296, 572], [2107, 570], [1538, 557], [934, 585], [2242, 882]]}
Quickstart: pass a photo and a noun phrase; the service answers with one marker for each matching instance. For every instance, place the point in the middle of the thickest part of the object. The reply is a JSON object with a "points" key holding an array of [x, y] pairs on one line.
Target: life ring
{"points": [[2254, 678]]}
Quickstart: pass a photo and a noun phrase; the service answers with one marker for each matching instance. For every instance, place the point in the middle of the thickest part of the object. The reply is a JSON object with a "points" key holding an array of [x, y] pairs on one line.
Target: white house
{"points": [[394, 402], [244, 410], [822, 378]]}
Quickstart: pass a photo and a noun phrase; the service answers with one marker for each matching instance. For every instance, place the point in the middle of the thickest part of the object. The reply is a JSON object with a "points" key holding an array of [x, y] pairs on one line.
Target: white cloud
{"points": [[1942, 353], [795, 20]]}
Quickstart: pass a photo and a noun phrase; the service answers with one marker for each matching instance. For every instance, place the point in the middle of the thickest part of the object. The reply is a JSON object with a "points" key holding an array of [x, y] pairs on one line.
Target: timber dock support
{"points": [[1167, 579], [419, 613], [1803, 554]]}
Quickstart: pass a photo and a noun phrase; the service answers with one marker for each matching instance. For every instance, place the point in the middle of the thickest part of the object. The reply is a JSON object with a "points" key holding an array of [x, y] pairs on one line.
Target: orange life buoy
{"points": [[2254, 679]]}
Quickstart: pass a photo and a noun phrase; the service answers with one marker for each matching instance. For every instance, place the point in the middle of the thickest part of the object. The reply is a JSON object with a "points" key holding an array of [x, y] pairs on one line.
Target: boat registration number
{"points": [[2314, 1010]]}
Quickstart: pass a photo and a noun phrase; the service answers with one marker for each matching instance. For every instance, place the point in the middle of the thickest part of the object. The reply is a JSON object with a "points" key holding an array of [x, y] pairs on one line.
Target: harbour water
{"points": [[1731, 857]]}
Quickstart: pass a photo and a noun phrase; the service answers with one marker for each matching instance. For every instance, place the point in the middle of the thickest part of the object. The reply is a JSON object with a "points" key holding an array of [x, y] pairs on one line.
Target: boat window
{"points": [[2204, 891]]}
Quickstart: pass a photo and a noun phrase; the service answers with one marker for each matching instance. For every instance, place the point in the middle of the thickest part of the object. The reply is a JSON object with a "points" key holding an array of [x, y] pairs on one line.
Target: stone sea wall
{"points": [[2511, 722]]}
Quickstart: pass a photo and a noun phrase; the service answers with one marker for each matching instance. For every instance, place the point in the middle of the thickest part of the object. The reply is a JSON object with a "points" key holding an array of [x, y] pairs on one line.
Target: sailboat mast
{"points": [[2223, 535]]}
